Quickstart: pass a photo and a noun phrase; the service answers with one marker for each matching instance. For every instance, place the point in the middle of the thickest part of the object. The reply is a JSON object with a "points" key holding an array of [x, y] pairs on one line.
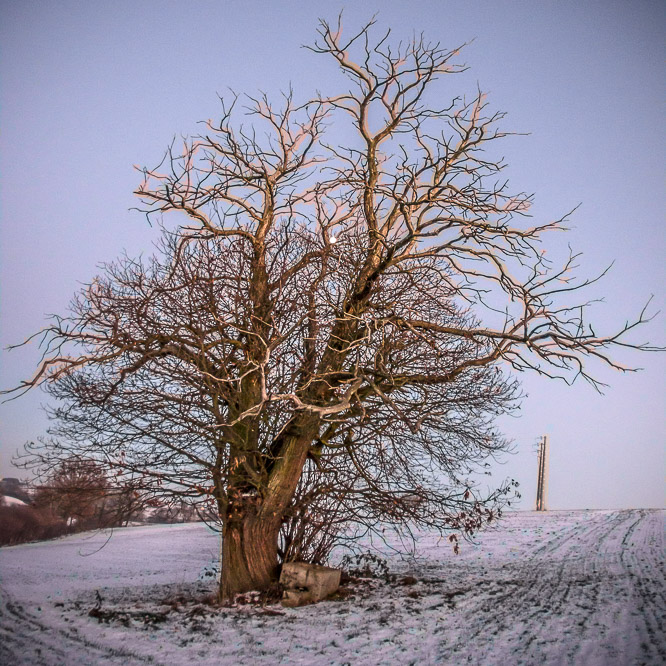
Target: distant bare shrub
{"points": [[83, 493], [20, 524]]}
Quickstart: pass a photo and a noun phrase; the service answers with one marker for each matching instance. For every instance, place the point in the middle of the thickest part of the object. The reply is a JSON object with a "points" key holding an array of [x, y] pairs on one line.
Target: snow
{"points": [[561, 587], [11, 501]]}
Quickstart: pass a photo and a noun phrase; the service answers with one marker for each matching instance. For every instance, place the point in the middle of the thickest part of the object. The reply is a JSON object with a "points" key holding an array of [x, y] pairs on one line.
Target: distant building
{"points": [[12, 487]]}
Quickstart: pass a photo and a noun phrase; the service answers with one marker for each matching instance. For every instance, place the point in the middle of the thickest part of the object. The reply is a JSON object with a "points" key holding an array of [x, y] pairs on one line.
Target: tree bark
{"points": [[249, 550]]}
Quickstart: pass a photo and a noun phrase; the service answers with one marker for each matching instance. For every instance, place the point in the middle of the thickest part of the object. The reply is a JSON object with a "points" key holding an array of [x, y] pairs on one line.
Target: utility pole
{"points": [[542, 474]]}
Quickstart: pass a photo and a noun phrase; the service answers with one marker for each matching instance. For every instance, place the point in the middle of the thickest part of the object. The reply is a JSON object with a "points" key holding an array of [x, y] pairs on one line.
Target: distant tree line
{"points": [[78, 495]]}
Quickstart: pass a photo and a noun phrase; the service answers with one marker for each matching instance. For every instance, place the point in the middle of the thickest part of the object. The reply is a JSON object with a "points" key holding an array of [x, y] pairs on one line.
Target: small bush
{"points": [[20, 524], [367, 565]]}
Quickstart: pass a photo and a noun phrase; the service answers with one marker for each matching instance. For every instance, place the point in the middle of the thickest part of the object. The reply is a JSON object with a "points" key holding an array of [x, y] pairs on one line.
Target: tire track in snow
{"points": [[31, 641], [572, 593], [23, 640], [646, 572]]}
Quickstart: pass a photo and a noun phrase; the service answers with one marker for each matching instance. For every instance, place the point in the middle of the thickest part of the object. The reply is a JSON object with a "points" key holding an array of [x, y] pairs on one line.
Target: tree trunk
{"points": [[249, 551], [252, 524]]}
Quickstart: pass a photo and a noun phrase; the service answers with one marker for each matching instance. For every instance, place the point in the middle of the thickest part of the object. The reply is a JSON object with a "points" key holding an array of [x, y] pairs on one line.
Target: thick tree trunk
{"points": [[252, 524], [249, 552]]}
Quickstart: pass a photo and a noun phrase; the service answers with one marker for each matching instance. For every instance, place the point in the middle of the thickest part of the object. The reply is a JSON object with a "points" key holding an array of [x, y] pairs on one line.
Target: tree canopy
{"points": [[324, 338]]}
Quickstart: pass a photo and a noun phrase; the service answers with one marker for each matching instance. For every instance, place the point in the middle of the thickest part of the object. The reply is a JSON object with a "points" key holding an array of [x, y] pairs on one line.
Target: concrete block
{"points": [[307, 583]]}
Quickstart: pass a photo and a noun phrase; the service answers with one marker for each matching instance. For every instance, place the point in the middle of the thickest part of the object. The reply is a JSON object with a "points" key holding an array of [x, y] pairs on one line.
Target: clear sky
{"points": [[88, 89]]}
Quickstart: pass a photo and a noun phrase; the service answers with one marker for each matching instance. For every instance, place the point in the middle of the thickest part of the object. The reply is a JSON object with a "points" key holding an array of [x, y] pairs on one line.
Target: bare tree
{"points": [[75, 491], [76, 485], [320, 341]]}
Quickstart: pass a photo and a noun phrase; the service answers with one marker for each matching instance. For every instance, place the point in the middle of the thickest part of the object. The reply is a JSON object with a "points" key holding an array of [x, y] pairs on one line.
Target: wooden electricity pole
{"points": [[542, 474]]}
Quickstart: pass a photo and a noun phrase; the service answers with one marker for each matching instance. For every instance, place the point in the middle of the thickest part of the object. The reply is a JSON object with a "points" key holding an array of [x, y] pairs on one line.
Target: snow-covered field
{"points": [[563, 587]]}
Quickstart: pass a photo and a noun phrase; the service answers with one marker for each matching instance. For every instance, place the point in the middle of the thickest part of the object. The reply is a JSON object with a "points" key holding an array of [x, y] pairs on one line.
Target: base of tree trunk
{"points": [[249, 558]]}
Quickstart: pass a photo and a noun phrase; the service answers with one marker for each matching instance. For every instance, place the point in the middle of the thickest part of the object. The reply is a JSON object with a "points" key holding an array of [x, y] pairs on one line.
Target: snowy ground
{"points": [[11, 501], [563, 587]]}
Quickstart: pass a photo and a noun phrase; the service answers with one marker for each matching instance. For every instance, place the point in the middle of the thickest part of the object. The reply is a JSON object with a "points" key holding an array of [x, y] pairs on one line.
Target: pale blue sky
{"points": [[88, 89]]}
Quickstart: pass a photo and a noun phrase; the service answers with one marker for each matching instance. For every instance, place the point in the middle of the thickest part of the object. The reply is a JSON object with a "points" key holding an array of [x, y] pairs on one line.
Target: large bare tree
{"points": [[320, 340]]}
